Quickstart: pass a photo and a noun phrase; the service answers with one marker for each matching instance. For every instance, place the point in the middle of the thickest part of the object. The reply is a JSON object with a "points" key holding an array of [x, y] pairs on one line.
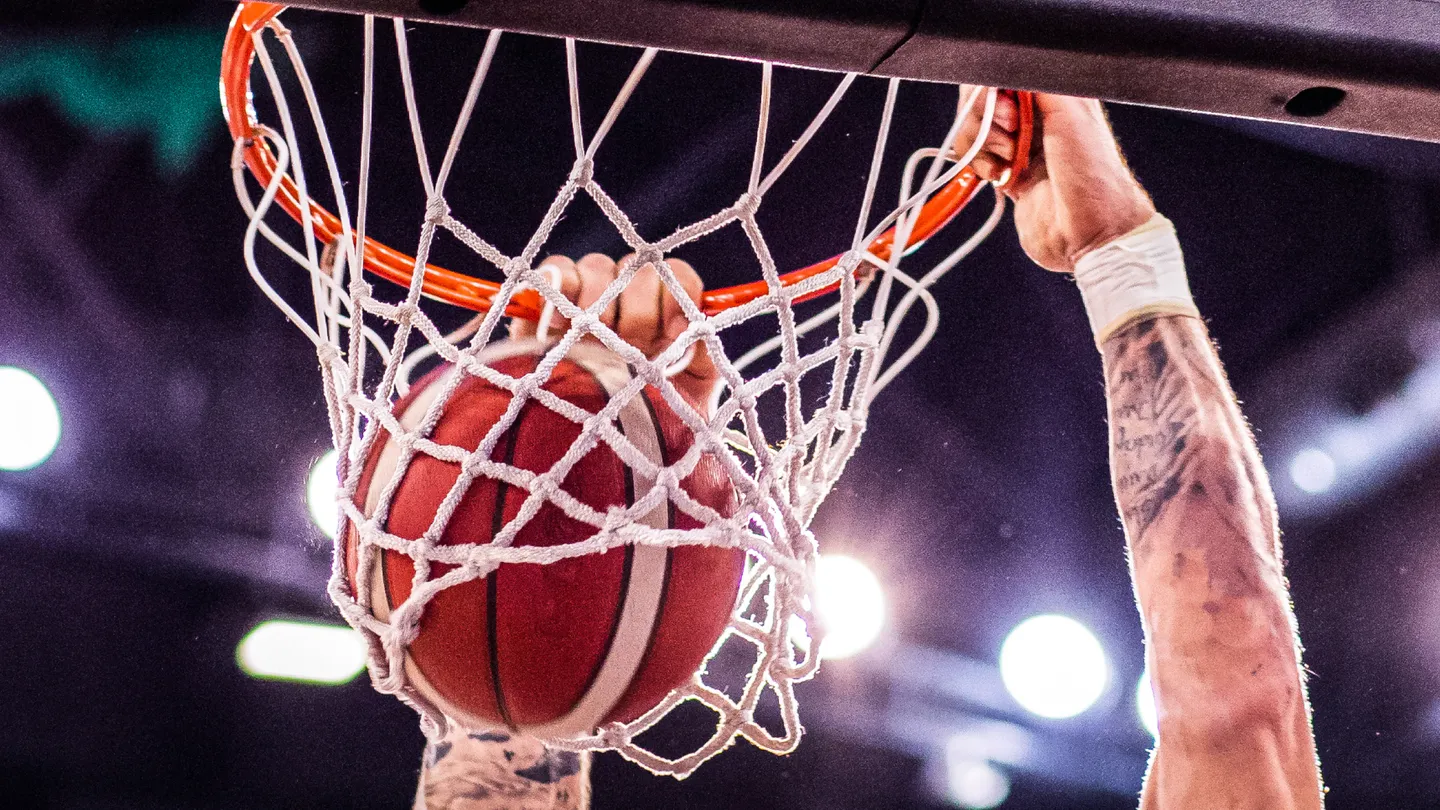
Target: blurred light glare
{"points": [[29, 420], [975, 784], [1145, 705], [1351, 444], [1053, 666], [1313, 470], [320, 492], [302, 651], [851, 604]]}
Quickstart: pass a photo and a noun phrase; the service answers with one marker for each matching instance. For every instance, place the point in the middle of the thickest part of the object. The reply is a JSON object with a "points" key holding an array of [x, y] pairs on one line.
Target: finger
{"points": [[970, 127], [989, 167], [1048, 104], [1000, 145], [568, 277], [1078, 139], [1028, 169], [1007, 113], [672, 315], [697, 381], [1005, 121], [596, 272], [651, 316], [1082, 120], [641, 304]]}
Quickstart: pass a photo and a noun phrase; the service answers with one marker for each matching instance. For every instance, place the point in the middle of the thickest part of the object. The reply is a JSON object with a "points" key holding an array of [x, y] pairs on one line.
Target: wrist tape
{"points": [[1139, 275]]}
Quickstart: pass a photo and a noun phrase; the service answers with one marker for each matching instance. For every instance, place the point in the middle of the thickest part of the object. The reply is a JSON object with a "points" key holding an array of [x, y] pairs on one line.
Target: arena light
{"points": [[975, 784], [1053, 666], [851, 605], [1145, 705], [1313, 470], [29, 420], [320, 491], [306, 652]]}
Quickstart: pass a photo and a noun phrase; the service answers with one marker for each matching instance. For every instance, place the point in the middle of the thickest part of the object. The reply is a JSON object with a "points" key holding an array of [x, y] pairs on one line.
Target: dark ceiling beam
{"points": [[1361, 66], [1367, 66]]}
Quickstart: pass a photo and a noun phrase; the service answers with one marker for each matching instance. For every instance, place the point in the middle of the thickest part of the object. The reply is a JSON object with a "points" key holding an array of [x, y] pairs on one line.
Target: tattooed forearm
{"points": [[1205, 555], [1177, 430], [499, 771], [1153, 411]]}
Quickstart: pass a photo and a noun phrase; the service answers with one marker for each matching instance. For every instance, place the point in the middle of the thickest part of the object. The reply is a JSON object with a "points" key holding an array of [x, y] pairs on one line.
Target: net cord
{"points": [[779, 486]]}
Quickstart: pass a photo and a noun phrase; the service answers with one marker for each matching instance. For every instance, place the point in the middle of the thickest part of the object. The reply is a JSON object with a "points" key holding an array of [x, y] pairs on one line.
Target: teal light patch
{"points": [[157, 83]]}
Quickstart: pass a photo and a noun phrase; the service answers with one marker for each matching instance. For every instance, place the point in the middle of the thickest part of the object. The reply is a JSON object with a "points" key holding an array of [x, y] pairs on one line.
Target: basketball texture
{"points": [[554, 650]]}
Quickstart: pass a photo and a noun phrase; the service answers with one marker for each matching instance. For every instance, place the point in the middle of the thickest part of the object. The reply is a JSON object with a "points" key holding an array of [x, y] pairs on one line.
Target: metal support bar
{"points": [[1362, 65]]}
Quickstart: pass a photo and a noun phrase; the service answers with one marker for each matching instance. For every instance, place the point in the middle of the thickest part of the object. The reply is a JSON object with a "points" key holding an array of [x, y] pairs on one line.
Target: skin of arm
{"points": [[1205, 558], [1199, 516], [500, 771]]}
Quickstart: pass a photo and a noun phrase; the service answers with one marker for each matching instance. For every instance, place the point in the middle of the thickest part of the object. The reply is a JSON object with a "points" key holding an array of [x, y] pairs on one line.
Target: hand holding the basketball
{"points": [[1077, 193], [646, 314]]}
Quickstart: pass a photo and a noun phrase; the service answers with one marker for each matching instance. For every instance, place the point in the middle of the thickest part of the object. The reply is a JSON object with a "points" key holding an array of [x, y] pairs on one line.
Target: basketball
{"points": [[554, 650]]}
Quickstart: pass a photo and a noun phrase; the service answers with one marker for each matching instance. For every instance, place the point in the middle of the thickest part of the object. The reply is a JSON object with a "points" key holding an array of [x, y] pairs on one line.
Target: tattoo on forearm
{"points": [[1168, 398], [500, 771], [1151, 419], [1205, 553]]}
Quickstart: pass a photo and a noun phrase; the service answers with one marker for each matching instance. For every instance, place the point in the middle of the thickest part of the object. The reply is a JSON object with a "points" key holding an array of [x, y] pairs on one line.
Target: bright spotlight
{"points": [[1053, 666], [29, 420], [975, 784], [851, 604], [1313, 470], [320, 492], [302, 651], [1145, 705]]}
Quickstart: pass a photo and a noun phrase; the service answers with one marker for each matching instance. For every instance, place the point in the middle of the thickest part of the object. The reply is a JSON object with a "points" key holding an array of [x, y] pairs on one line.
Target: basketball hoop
{"points": [[778, 481]]}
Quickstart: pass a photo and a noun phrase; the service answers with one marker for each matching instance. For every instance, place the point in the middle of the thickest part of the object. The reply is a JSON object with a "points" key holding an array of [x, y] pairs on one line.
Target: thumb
{"points": [[1077, 143], [1055, 105]]}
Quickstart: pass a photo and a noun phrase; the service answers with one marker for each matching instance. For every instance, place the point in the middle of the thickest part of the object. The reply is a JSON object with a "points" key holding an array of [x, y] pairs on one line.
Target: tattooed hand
{"points": [[498, 771], [1077, 193]]}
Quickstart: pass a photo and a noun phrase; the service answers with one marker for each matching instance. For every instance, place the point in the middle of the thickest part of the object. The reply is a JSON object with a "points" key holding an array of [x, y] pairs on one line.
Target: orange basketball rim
{"points": [[478, 294]]}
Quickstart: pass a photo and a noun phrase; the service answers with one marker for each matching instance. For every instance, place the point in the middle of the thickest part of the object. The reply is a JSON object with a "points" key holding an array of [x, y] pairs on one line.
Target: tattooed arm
{"points": [[498, 771], [1197, 508], [1205, 557]]}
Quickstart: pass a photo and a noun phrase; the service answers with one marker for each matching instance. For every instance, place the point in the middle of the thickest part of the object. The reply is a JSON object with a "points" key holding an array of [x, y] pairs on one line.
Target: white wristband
{"points": [[1141, 274]]}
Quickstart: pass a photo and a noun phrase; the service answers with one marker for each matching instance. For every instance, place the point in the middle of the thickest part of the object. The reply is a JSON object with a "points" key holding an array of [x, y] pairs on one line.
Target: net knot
{"points": [[587, 323], [360, 289], [614, 736], [544, 487], [668, 480], [436, 210], [703, 330], [583, 172], [330, 354], [747, 205], [517, 267]]}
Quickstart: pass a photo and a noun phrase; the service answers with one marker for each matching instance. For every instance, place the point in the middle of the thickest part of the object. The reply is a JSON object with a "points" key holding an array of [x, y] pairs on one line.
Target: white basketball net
{"points": [[779, 481]]}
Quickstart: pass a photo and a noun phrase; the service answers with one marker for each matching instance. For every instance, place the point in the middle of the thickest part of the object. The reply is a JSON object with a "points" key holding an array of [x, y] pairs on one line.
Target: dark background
{"points": [[171, 518]]}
